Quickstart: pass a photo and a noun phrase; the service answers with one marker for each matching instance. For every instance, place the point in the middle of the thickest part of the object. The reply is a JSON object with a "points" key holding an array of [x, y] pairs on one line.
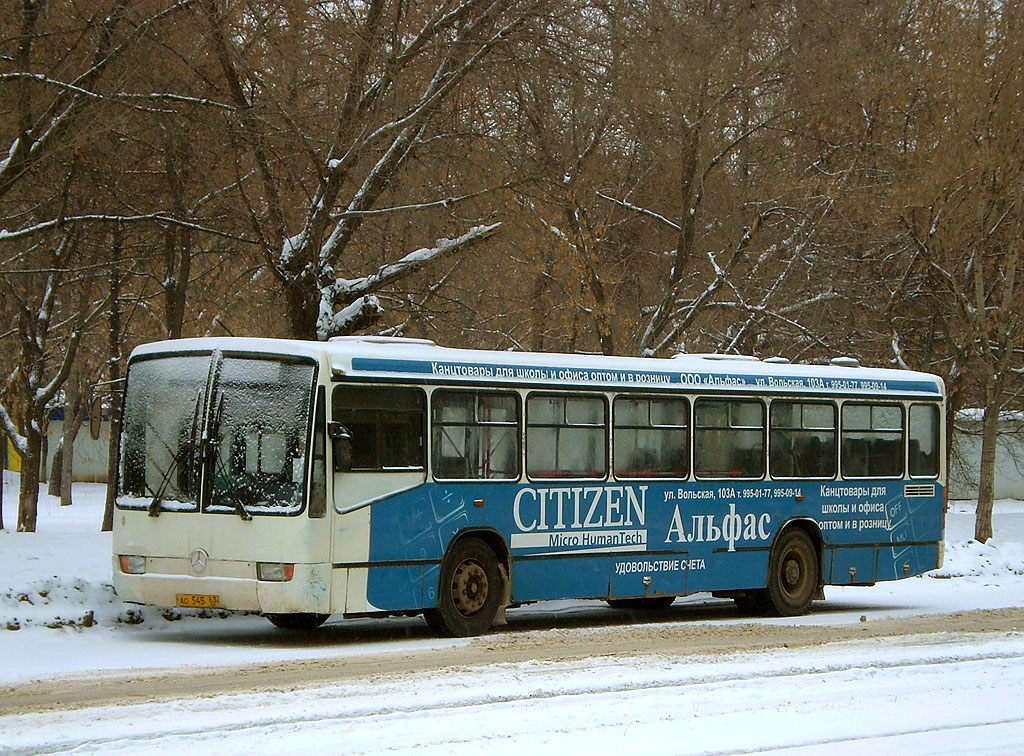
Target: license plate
{"points": [[198, 600]]}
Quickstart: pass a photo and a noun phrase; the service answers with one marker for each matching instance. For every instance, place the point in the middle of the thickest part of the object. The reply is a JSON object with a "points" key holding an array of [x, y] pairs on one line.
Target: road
{"points": [[544, 638]]}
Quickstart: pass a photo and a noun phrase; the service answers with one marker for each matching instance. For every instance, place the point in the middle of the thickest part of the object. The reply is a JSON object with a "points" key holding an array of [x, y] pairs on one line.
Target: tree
{"points": [[966, 224], [401, 66], [33, 372]]}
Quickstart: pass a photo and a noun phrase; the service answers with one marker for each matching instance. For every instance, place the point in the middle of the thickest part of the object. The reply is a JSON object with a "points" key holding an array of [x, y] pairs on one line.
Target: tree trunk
{"points": [[987, 475], [75, 414], [303, 311], [177, 271], [112, 449], [57, 466], [538, 314], [69, 432], [113, 376], [28, 499], [3, 474]]}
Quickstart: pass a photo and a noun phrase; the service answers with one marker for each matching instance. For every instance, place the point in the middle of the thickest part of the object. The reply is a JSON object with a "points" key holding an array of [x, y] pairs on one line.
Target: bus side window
{"points": [[803, 440], [728, 439], [475, 435], [924, 441], [872, 440], [385, 425], [566, 436], [650, 437]]}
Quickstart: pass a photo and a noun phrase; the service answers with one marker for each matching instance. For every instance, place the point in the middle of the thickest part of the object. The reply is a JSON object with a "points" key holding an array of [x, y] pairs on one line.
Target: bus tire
{"points": [[793, 574], [470, 591], [647, 604], [304, 622]]}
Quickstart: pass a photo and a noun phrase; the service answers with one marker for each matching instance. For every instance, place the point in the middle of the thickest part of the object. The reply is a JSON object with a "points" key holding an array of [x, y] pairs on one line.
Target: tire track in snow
{"points": [[559, 643], [385, 704]]}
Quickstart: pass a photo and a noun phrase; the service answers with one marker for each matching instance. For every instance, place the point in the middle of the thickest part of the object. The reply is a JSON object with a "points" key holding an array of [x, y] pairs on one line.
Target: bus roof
{"points": [[420, 360]]}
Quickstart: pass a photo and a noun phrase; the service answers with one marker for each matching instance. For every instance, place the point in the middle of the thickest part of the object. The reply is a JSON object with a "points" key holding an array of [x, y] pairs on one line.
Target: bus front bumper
{"points": [[230, 585]]}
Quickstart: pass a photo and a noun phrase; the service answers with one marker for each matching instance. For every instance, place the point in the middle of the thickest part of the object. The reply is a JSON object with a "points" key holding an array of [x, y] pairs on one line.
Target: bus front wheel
{"points": [[470, 591], [793, 574]]}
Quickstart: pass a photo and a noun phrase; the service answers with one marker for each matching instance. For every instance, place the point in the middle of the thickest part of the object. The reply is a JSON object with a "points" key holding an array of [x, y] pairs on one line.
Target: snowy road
{"points": [[948, 693]]}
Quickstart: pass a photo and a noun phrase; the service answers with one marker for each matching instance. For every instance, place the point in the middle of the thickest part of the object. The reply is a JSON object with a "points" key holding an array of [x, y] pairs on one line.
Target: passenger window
{"points": [[728, 440], [475, 435], [924, 441], [872, 441], [565, 436], [386, 425], [650, 437], [803, 440]]}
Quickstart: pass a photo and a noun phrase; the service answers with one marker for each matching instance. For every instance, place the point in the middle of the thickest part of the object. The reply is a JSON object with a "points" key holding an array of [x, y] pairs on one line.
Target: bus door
{"points": [[379, 454]]}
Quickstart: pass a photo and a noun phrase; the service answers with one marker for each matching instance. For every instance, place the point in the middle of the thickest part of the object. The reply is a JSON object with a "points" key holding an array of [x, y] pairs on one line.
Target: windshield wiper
{"points": [[238, 506], [156, 505], [212, 441]]}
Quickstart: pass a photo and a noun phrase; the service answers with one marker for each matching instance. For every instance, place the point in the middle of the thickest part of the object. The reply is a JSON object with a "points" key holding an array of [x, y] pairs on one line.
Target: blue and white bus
{"points": [[375, 476]]}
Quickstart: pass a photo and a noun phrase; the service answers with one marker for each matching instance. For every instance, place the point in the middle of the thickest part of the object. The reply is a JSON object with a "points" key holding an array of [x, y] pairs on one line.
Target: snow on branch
{"points": [[19, 441], [445, 203], [37, 228], [360, 313], [115, 96], [897, 351], [640, 210], [346, 289], [360, 306]]}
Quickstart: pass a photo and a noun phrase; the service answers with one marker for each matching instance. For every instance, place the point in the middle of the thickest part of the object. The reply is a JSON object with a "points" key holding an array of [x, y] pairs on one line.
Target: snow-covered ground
{"points": [[943, 694]]}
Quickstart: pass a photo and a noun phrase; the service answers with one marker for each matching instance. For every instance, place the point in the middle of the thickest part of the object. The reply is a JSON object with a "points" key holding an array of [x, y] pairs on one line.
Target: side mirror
{"points": [[342, 446]]}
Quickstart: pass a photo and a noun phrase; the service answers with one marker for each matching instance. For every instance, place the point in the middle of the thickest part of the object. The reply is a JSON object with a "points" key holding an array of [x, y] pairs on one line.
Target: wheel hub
{"points": [[469, 587], [791, 573]]}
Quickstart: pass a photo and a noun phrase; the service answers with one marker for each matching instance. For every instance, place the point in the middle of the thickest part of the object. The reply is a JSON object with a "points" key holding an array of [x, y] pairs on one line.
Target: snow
{"points": [[329, 323], [930, 694]]}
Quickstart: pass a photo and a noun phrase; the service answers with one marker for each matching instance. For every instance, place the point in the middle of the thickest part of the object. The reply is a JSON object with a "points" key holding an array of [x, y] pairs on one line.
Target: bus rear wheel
{"points": [[304, 622], [470, 591], [793, 574]]}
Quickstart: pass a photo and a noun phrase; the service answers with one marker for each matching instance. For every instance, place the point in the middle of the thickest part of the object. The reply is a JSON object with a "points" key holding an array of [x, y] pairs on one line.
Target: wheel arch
{"points": [[810, 527], [489, 536], [493, 540]]}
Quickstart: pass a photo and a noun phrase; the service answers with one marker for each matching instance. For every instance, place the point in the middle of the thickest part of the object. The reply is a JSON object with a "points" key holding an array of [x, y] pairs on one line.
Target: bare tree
{"points": [[402, 66], [967, 223], [34, 372]]}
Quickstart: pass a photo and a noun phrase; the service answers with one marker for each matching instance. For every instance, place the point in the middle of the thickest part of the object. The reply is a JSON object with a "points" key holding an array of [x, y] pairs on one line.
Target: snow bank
{"points": [[1002, 556], [974, 559], [59, 576]]}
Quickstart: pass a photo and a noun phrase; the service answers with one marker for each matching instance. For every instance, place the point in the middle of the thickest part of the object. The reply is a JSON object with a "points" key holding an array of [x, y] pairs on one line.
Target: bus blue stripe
{"points": [[647, 378]]}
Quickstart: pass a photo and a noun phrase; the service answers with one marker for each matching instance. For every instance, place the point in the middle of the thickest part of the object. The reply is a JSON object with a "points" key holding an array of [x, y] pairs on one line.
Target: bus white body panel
{"points": [[354, 494], [196, 557]]}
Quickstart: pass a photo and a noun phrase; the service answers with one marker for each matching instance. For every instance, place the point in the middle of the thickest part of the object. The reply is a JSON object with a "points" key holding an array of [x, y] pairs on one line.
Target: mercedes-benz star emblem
{"points": [[198, 559]]}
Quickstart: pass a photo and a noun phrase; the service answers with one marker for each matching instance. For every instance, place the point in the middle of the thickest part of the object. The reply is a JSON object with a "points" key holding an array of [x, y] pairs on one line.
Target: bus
{"points": [[372, 476]]}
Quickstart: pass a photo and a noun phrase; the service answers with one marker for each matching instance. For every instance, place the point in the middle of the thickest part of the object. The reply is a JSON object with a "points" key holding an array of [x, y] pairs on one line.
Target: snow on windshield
{"points": [[261, 424], [227, 434]]}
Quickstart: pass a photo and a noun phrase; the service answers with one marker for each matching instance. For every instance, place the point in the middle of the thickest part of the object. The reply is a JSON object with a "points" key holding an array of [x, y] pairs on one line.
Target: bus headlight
{"points": [[274, 571], [132, 565]]}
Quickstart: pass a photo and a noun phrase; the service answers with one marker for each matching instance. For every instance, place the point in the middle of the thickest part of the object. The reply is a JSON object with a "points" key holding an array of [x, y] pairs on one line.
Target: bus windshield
{"points": [[215, 433]]}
